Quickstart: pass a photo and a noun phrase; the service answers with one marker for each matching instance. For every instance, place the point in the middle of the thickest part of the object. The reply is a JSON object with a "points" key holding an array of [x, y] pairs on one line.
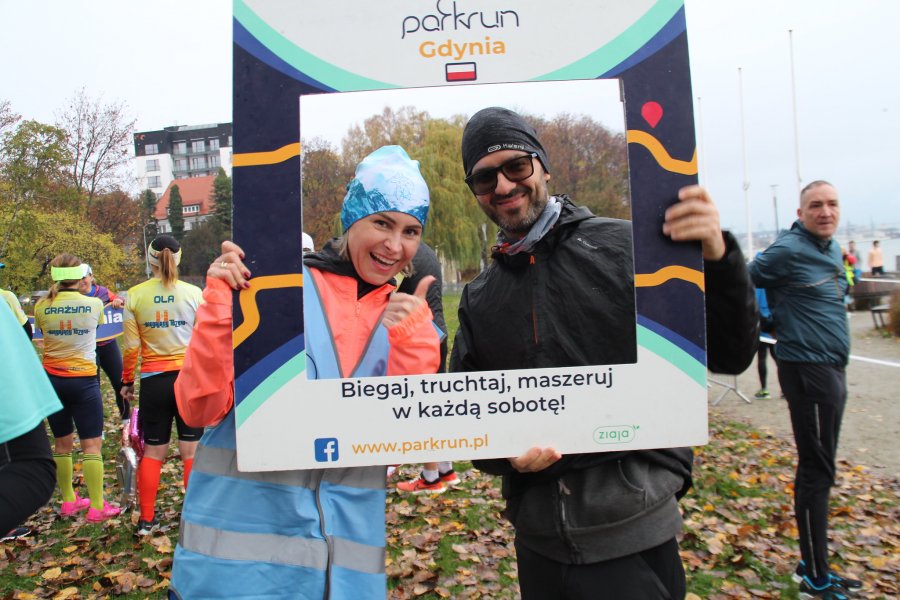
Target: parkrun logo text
{"points": [[327, 450], [455, 20]]}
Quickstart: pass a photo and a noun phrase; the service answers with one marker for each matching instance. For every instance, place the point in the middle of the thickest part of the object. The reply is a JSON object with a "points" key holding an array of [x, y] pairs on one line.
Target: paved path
{"points": [[871, 428]]}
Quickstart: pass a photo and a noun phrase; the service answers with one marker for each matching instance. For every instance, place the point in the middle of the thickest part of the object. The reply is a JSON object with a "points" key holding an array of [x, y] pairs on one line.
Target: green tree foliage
{"points": [[323, 184], [32, 160], [201, 245], [176, 213], [587, 161], [40, 235], [148, 213], [222, 205], [43, 212], [456, 225]]}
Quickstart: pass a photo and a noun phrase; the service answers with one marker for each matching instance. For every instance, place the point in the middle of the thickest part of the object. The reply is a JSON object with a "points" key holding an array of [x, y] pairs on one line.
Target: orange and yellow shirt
{"points": [[70, 326], [158, 325]]}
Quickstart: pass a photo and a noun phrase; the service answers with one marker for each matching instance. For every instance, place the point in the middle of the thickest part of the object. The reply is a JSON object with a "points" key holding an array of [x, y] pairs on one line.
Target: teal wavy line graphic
{"points": [[671, 353], [269, 386], [623, 46], [303, 61]]}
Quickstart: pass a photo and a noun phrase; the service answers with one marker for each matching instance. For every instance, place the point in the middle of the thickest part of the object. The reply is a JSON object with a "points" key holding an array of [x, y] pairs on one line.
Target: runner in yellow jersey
{"points": [[16, 308], [159, 318], [69, 322]]}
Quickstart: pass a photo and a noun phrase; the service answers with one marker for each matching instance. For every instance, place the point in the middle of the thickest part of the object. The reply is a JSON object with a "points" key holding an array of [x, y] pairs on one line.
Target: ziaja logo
{"points": [[449, 18], [327, 450]]}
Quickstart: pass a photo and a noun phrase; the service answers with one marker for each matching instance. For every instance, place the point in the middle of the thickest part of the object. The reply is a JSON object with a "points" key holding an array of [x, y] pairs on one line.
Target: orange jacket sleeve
{"points": [[415, 344], [204, 389]]}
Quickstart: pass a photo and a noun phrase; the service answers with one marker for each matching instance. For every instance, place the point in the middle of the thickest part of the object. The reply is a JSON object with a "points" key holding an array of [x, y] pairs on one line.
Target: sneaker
{"points": [[851, 585], [70, 509], [847, 583], [420, 486], [763, 393], [14, 534], [98, 516], [449, 478], [146, 527], [830, 591]]}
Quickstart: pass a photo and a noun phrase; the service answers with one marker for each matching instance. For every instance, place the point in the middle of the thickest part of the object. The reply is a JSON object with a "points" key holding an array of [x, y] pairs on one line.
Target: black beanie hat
{"points": [[492, 129], [161, 242]]}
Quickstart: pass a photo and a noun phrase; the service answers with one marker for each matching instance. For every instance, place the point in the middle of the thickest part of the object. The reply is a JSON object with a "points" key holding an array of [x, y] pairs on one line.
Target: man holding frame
{"points": [[559, 293]]}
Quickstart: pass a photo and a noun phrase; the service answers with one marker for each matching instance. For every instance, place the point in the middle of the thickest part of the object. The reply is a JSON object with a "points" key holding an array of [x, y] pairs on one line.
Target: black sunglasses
{"points": [[515, 170]]}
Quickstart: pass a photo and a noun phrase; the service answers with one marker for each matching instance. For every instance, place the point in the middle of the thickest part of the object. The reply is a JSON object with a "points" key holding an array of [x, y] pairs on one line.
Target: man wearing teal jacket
{"points": [[803, 275]]}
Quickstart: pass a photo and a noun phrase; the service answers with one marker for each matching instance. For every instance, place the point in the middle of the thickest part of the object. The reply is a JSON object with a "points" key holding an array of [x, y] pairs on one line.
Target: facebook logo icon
{"points": [[327, 450]]}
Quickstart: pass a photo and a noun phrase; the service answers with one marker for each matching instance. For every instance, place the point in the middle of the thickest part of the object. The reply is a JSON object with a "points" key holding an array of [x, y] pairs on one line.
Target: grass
{"points": [[739, 538]]}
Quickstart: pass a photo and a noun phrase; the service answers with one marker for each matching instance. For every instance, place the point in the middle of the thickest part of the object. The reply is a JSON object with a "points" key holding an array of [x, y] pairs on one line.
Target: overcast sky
{"points": [[170, 61]]}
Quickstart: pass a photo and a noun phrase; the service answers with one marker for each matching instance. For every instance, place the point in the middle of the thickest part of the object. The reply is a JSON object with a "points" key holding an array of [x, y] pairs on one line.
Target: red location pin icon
{"points": [[652, 113]]}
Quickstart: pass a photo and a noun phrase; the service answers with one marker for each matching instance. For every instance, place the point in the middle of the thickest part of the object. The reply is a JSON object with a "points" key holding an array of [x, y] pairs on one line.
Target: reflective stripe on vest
{"points": [[268, 542], [321, 355]]}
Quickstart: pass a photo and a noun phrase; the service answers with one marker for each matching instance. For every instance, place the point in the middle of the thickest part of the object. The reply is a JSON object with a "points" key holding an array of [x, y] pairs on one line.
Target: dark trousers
{"points": [[816, 396], [27, 477], [109, 358], [761, 367], [654, 574]]}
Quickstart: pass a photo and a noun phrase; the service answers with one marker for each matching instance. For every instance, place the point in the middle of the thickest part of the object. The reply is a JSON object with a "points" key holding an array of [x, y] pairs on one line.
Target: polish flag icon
{"points": [[461, 71]]}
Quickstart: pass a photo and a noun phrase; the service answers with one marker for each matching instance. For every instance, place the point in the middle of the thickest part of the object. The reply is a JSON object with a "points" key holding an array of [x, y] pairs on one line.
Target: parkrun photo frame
{"points": [[284, 50]]}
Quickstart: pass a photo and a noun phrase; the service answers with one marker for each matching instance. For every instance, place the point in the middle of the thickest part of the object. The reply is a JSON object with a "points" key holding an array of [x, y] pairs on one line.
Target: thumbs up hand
{"points": [[400, 306]]}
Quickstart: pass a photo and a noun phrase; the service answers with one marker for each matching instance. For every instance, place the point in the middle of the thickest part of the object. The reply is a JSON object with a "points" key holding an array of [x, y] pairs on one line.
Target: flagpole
{"points": [[744, 158], [796, 126]]}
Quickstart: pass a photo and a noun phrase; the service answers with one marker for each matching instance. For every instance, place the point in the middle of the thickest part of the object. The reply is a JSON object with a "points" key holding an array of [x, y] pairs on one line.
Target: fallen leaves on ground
{"points": [[739, 537]]}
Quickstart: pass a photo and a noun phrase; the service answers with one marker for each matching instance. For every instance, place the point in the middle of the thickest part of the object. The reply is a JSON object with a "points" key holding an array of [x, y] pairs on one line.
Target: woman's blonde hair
{"points": [[164, 254], [62, 260]]}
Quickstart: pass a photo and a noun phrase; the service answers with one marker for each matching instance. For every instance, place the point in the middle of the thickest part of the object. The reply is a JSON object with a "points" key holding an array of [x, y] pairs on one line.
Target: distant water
{"points": [[890, 248]]}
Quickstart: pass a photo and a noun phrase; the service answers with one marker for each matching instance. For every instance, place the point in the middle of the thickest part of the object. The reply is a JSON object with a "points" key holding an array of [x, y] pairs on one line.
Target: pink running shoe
{"points": [[70, 509], [98, 516]]}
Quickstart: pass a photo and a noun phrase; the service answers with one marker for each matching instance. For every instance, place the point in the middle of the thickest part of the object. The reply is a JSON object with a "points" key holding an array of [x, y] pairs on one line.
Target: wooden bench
{"points": [[869, 291]]}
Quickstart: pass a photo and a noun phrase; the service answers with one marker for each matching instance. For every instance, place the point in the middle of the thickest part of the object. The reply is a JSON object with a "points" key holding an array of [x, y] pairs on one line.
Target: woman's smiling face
{"points": [[381, 244]]}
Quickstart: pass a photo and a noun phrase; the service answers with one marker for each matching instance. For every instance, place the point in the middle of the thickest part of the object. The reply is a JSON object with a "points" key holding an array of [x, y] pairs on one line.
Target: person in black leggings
{"points": [[109, 357]]}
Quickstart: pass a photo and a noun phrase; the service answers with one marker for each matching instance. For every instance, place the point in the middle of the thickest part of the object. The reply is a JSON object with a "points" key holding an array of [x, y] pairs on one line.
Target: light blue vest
{"points": [[305, 534]]}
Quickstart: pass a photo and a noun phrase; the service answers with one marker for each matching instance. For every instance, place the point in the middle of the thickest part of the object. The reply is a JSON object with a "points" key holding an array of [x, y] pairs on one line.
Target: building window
{"points": [[198, 162], [214, 144], [181, 164], [153, 165], [229, 141], [198, 146], [151, 149], [153, 182], [214, 161], [180, 147], [191, 209]]}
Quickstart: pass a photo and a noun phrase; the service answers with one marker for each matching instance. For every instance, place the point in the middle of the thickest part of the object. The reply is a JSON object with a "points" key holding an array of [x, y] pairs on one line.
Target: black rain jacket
{"points": [[529, 311]]}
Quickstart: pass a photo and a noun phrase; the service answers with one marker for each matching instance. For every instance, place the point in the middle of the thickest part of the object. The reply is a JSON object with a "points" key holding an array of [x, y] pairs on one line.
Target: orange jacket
{"points": [[205, 387]]}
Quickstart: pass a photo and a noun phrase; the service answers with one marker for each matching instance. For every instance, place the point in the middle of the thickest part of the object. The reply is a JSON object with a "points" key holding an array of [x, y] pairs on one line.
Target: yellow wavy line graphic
{"points": [[682, 167], [671, 272], [247, 299], [272, 157]]}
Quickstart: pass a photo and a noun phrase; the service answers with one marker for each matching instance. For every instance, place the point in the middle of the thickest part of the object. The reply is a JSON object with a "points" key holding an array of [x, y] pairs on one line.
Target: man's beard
{"points": [[520, 224]]}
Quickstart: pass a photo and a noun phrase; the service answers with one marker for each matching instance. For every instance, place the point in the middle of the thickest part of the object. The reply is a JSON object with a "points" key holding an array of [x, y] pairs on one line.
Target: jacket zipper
{"points": [[534, 324], [320, 476], [563, 491]]}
